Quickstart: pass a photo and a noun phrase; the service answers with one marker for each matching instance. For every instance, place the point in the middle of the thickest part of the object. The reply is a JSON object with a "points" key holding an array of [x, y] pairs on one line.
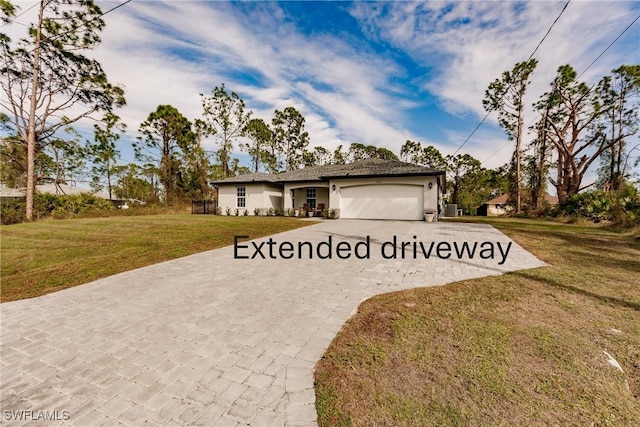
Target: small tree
{"points": [[166, 134], [259, 134], [319, 156], [506, 95], [102, 150], [225, 119], [414, 152], [461, 170], [289, 136], [339, 156], [619, 91]]}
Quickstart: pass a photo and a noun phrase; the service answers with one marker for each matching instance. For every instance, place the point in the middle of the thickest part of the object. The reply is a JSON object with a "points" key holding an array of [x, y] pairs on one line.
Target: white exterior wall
{"points": [[498, 210], [430, 196], [265, 196], [261, 196], [300, 191]]}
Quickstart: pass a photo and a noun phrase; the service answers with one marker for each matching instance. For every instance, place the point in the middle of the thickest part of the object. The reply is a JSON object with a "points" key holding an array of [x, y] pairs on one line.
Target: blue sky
{"points": [[372, 72]]}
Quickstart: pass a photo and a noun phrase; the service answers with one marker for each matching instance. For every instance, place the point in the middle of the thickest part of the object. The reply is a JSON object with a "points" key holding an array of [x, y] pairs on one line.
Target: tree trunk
{"points": [[109, 179], [31, 133], [518, 161]]}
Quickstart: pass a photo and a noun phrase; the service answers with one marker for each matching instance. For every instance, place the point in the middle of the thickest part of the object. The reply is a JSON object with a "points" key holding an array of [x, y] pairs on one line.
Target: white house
{"points": [[367, 189], [501, 205]]}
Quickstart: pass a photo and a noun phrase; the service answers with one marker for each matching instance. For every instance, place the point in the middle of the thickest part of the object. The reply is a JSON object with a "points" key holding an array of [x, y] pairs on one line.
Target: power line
{"points": [[75, 28], [549, 30], [18, 16], [610, 44], [578, 77], [509, 86], [496, 152]]}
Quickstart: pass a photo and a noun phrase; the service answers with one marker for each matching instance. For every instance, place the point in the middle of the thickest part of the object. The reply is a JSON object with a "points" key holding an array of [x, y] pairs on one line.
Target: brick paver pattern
{"points": [[208, 339]]}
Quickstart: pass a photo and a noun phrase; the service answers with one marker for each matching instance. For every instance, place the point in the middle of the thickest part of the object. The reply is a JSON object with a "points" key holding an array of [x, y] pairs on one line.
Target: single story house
{"points": [[367, 189], [500, 205], [57, 189]]}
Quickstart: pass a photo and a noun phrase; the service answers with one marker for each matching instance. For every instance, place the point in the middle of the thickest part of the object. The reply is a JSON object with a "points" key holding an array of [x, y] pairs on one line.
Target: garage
{"points": [[382, 201]]}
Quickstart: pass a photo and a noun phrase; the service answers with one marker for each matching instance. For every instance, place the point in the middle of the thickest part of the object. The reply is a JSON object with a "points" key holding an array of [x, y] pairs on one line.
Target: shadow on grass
{"points": [[580, 291]]}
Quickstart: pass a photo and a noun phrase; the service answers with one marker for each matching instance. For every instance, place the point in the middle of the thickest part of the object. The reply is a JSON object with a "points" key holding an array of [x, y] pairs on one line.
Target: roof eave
{"points": [[384, 175]]}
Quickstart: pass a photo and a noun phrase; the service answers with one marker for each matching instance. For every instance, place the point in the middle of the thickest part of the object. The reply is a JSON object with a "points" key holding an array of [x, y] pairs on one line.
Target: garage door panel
{"points": [[382, 202]]}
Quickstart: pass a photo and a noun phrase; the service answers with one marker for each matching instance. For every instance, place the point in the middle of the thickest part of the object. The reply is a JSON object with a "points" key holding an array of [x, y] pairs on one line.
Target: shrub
{"points": [[278, 212], [246, 212], [51, 205], [621, 208], [12, 211], [237, 212], [271, 212], [256, 211], [227, 211]]}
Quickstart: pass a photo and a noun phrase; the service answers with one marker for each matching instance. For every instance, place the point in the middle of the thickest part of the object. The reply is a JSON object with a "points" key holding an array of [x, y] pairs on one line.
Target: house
{"points": [[63, 190], [500, 205], [11, 193], [367, 189]]}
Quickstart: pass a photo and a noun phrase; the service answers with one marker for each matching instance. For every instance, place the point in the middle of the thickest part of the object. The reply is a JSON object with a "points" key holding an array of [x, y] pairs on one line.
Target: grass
{"points": [[524, 348], [49, 255]]}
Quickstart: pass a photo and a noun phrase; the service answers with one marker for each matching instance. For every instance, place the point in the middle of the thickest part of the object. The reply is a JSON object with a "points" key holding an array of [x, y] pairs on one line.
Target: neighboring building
{"points": [[500, 205], [58, 189], [368, 189], [68, 190], [11, 193]]}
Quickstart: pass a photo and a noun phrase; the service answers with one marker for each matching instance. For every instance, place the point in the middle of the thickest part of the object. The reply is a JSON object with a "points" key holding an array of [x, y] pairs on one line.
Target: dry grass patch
{"points": [[524, 348], [49, 255]]}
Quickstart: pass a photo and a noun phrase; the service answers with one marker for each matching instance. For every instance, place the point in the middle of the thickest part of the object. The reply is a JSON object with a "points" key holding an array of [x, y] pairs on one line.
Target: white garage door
{"points": [[382, 202]]}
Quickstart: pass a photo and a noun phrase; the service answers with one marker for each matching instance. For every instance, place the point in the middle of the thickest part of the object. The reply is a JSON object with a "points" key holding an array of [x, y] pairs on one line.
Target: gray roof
{"points": [[59, 189], [359, 169], [250, 177]]}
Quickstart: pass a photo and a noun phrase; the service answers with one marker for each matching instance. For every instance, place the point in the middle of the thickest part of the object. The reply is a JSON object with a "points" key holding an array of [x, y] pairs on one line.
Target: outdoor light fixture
{"points": [[333, 187], [430, 185]]}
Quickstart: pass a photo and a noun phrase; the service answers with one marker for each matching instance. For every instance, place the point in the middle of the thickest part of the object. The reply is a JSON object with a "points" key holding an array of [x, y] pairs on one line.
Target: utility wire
{"points": [[496, 152], [509, 86], [18, 16], [610, 44], [584, 71], [75, 28]]}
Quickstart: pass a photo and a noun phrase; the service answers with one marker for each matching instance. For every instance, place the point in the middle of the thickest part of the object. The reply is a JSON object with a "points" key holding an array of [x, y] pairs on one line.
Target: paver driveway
{"points": [[209, 339]]}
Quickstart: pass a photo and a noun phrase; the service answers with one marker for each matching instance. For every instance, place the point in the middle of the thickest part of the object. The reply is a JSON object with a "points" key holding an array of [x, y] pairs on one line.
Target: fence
{"points": [[204, 207]]}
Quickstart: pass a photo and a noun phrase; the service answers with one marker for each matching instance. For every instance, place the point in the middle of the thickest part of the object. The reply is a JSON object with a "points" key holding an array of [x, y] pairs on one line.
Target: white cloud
{"points": [[469, 44], [294, 69], [169, 52]]}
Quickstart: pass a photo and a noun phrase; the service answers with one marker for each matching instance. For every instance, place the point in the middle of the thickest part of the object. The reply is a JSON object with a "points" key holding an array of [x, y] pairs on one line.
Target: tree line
{"points": [[49, 85], [576, 125]]}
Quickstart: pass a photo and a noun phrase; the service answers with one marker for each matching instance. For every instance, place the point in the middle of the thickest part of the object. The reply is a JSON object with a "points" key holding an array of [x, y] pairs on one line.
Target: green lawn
{"points": [[49, 255], [525, 348]]}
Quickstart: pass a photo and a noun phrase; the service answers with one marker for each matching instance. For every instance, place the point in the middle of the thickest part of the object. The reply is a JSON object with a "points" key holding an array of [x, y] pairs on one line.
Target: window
{"points": [[311, 198], [241, 192]]}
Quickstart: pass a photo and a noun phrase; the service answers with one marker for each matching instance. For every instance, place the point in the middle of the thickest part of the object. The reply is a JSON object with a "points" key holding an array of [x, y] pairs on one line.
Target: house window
{"points": [[241, 192], [311, 198]]}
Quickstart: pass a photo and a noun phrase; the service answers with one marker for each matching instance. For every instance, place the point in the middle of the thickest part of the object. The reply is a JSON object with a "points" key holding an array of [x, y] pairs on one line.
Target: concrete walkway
{"points": [[209, 339]]}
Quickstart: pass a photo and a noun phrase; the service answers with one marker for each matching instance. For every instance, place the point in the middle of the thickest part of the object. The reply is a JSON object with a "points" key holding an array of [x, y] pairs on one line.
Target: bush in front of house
{"points": [[51, 205]]}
